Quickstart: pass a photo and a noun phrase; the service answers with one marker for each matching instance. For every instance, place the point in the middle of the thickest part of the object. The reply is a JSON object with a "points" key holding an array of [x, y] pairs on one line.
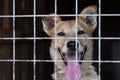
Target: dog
{"points": [[71, 51]]}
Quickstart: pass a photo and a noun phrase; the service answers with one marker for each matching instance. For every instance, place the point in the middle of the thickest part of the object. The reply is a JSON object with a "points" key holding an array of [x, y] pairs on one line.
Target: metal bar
{"points": [[99, 41], [76, 23], [63, 15], [94, 61], [34, 50], [55, 16], [13, 39], [40, 38]]}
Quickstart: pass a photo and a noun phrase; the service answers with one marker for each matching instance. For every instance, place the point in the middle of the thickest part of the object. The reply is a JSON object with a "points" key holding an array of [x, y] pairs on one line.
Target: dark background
{"points": [[110, 27]]}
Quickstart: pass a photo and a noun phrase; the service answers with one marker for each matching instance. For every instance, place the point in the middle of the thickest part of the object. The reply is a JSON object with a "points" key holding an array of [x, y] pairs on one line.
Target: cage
{"points": [[24, 47]]}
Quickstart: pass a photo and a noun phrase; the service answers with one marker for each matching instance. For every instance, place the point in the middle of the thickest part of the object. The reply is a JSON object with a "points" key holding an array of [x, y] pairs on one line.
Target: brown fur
{"points": [[86, 24]]}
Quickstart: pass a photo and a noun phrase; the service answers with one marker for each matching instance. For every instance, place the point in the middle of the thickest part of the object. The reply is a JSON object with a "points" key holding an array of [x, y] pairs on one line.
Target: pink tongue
{"points": [[73, 70]]}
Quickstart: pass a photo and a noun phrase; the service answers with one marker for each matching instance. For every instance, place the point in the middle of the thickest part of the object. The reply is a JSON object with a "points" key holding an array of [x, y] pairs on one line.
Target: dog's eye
{"points": [[61, 34], [80, 32]]}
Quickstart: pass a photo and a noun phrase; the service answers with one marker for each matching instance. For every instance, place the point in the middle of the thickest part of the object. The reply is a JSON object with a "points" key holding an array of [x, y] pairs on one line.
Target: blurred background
{"points": [[110, 27]]}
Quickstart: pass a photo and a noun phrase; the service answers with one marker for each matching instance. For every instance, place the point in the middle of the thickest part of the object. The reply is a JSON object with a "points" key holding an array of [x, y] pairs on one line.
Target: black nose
{"points": [[71, 45]]}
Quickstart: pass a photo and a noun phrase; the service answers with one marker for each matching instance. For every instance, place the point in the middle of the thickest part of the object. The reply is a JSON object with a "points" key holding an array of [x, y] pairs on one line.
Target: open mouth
{"points": [[73, 69], [72, 56]]}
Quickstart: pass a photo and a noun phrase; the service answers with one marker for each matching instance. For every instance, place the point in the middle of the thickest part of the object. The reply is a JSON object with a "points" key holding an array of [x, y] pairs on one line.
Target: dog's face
{"points": [[67, 29], [71, 47]]}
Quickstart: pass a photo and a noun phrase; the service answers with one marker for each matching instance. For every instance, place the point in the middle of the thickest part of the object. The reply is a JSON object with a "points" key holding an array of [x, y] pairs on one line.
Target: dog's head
{"points": [[85, 26], [68, 47]]}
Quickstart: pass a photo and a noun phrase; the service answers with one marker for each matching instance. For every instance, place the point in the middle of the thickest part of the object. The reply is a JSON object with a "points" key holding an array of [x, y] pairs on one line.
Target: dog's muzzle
{"points": [[72, 52], [72, 46], [73, 68]]}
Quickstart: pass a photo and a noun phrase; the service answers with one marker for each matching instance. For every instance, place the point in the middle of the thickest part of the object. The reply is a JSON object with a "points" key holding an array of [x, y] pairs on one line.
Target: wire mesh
{"points": [[34, 38]]}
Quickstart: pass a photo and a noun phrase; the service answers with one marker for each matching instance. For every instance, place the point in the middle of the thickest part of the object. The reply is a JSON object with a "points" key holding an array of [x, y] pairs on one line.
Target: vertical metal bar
{"points": [[55, 36], [13, 39], [34, 51], [99, 40], [76, 37]]}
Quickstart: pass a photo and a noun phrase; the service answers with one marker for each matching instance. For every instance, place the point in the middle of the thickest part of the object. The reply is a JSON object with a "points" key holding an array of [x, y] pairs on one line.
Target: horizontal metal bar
{"points": [[40, 38], [64, 15], [94, 61]]}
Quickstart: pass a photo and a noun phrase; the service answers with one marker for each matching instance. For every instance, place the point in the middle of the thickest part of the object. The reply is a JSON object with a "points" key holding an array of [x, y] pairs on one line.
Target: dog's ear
{"points": [[90, 20], [49, 24]]}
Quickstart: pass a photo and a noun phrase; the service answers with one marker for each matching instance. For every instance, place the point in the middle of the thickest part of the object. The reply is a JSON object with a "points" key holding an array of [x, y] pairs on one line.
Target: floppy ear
{"points": [[49, 24], [90, 20]]}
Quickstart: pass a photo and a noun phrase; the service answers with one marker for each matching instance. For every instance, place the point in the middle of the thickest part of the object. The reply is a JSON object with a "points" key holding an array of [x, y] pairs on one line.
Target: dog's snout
{"points": [[71, 45]]}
